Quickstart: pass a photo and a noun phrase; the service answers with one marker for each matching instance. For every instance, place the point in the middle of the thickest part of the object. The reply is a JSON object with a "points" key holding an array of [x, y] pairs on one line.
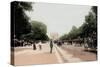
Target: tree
{"points": [[19, 20], [87, 30], [89, 27], [38, 31], [74, 33], [38, 27], [90, 24], [63, 37], [94, 10]]}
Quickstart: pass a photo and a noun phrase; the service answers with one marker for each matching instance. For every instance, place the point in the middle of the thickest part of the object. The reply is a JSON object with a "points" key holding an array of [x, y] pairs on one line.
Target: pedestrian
{"points": [[40, 46], [34, 46], [51, 46]]}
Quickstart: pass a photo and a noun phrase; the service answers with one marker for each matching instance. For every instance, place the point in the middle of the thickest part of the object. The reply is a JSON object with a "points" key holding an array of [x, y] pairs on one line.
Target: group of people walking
{"points": [[38, 43], [40, 46]]}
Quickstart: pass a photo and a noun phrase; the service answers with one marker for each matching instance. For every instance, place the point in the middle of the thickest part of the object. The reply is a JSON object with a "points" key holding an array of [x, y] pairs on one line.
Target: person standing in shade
{"points": [[51, 46], [34, 46]]}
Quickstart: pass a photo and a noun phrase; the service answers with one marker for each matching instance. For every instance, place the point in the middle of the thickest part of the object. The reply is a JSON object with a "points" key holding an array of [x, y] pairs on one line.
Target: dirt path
{"points": [[64, 54], [43, 58], [29, 57], [80, 53]]}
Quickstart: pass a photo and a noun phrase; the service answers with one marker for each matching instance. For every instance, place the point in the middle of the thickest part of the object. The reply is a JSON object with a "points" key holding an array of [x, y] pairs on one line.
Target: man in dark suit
{"points": [[51, 46]]}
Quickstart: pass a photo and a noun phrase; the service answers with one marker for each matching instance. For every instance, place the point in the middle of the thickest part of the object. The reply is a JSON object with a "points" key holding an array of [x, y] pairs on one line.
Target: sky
{"points": [[59, 18]]}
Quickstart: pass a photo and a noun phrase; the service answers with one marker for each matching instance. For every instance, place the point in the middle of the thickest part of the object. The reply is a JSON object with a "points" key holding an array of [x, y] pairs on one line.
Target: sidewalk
{"points": [[30, 57]]}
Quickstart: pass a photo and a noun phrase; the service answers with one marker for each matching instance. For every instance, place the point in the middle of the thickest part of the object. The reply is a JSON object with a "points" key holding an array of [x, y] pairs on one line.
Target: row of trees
{"points": [[38, 32], [21, 28], [74, 33], [87, 29]]}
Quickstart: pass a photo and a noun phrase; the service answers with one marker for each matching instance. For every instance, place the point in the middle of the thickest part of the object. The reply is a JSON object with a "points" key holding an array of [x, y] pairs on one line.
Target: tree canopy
{"points": [[19, 20], [87, 29], [38, 31]]}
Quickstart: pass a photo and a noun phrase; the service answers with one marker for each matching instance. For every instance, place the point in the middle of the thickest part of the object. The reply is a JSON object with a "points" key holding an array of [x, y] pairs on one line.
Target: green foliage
{"points": [[74, 33], [21, 27], [94, 10], [87, 29], [38, 31], [38, 27], [26, 5], [90, 24], [63, 37], [20, 24]]}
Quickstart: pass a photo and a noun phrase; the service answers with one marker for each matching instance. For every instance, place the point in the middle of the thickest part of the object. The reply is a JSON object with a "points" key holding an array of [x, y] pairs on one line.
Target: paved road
{"points": [[26, 55]]}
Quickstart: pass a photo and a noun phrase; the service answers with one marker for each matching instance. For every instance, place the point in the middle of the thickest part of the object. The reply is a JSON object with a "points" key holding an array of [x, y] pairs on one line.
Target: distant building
{"points": [[54, 35]]}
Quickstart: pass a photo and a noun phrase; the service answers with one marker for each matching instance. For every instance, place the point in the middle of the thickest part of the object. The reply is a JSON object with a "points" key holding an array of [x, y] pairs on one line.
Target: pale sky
{"points": [[59, 18]]}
